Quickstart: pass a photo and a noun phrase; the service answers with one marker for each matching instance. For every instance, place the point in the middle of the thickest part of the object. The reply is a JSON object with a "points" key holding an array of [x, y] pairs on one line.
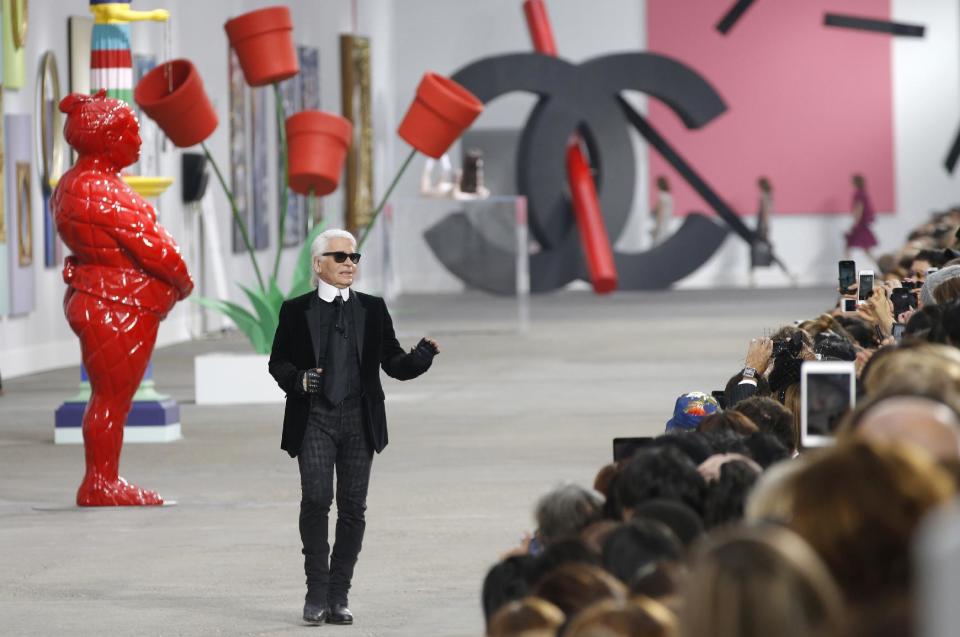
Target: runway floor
{"points": [[500, 418]]}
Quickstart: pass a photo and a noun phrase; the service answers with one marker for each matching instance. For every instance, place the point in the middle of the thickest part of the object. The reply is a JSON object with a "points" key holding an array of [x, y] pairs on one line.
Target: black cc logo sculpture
{"points": [[586, 98]]}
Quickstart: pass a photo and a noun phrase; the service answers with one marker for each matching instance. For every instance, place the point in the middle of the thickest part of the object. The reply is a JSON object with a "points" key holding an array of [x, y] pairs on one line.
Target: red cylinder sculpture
{"points": [[538, 23], [123, 277], [185, 114], [263, 40], [593, 231], [438, 115], [317, 144]]}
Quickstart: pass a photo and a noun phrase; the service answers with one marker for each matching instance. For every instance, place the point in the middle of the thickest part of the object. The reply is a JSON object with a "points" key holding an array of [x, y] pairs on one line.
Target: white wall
{"points": [[411, 36]]}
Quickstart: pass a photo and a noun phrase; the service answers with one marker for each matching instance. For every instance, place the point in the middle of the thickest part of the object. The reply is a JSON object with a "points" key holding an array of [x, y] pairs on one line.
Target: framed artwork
{"points": [[309, 78], [259, 175], [18, 146], [15, 21], [356, 106], [49, 145], [24, 215], [239, 179]]}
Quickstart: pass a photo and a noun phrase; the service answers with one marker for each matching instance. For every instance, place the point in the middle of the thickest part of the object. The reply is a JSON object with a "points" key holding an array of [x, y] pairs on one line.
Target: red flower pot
{"points": [[263, 40], [440, 112], [317, 144], [185, 114]]}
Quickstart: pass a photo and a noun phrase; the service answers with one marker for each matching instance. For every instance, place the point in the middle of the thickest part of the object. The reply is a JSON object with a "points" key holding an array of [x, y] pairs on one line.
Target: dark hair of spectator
{"points": [[770, 417], [729, 420], [506, 581], [686, 525], [690, 443], [637, 544], [766, 449], [661, 472], [728, 495]]}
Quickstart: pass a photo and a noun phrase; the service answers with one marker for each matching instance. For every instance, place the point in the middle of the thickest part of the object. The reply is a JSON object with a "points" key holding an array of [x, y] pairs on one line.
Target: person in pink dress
{"points": [[860, 235]]}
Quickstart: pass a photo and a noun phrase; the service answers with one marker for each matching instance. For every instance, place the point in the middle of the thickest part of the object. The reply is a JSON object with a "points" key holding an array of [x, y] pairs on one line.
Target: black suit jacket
{"points": [[296, 346]]}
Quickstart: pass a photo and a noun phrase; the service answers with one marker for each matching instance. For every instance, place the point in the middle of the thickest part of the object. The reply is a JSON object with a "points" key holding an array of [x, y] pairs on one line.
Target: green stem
{"points": [[386, 196], [284, 170], [236, 214]]}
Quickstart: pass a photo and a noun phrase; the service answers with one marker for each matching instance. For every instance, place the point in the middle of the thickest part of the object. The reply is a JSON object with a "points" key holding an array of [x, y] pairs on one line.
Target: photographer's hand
{"points": [[758, 354]]}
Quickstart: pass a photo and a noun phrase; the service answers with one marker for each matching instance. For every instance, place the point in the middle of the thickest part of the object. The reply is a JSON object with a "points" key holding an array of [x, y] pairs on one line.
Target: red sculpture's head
{"points": [[102, 127]]}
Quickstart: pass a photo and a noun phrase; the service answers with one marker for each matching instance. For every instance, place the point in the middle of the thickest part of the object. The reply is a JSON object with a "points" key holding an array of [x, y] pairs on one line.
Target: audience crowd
{"points": [[725, 526]]}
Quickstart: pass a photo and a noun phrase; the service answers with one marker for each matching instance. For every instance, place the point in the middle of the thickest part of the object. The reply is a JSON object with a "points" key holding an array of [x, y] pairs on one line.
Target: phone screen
{"points": [[898, 329], [623, 448], [848, 276], [828, 399], [903, 300], [849, 305], [866, 287], [720, 396]]}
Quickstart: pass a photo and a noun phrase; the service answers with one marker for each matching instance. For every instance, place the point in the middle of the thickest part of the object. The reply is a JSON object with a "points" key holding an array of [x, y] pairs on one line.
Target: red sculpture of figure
{"points": [[123, 277]]}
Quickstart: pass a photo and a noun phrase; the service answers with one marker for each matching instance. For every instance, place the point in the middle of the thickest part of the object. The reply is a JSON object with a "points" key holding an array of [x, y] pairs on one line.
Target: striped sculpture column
{"points": [[111, 64]]}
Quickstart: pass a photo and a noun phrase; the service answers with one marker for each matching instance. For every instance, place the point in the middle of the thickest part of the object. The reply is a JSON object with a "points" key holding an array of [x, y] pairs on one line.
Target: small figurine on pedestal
{"points": [[124, 276]]}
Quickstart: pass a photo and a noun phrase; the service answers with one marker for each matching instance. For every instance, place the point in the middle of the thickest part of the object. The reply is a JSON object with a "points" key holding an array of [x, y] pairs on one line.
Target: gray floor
{"points": [[499, 419]]}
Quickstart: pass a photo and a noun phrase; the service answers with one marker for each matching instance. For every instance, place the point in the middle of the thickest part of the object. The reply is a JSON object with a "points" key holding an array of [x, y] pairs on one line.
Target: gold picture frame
{"points": [[24, 215], [355, 94]]}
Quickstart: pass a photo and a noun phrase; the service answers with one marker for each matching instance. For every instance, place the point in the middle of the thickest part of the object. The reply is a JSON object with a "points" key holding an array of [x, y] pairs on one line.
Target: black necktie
{"points": [[336, 379]]}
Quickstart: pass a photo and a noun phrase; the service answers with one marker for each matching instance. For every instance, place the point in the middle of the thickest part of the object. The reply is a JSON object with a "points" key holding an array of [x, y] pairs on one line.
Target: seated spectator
{"points": [[597, 533], [858, 504], [689, 410], [759, 582], [771, 499], [727, 494], [506, 581], [946, 291], [528, 617], [638, 544], [573, 587], [728, 420], [564, 512], [661, 581], [766, 449], [925, 423], [930, 283], [923, 324], [637, 617], [659, 473], [771, 417], [690, 443], [678, 517]]}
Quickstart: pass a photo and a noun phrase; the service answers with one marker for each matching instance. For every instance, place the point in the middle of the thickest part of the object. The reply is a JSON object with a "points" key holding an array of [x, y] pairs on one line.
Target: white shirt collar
{"points": [[328, 292]]}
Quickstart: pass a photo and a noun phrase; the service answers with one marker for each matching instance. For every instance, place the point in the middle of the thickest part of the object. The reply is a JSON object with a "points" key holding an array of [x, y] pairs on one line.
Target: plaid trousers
{"points": [[334, 441]]}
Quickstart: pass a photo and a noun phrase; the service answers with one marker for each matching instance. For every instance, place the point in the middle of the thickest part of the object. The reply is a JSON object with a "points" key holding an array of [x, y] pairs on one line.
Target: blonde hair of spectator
{"points": [[858, 504], [637, 617], [527, 617], [759, 582]]}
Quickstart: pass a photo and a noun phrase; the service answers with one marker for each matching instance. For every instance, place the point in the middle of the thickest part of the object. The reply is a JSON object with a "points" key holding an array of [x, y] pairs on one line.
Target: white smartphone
{"points": [[828, 389], [864, 285]]}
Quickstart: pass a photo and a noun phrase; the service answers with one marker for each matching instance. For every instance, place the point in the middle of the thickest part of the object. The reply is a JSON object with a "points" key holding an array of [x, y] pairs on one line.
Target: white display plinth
{"points": [[232, 379], [137, 434]]}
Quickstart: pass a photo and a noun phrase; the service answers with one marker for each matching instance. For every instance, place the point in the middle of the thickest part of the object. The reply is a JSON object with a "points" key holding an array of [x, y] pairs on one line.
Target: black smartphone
{"points": [[848, 276], [865, 285], [623, 448], [903, 300], [898, 329], [849, 305], [718, 395]]}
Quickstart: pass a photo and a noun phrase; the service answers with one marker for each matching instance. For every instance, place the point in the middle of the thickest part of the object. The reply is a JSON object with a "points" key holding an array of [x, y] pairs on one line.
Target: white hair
{"points": [[322, 244]]}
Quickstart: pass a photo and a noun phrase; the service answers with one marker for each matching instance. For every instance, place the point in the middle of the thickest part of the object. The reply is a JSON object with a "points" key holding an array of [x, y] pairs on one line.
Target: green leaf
{"points": [[246, 322], [303, 271], [267, 315]]}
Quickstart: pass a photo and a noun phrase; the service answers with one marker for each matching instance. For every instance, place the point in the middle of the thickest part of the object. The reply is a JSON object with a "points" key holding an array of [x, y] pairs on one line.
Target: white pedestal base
{"points": [[231, 379]]}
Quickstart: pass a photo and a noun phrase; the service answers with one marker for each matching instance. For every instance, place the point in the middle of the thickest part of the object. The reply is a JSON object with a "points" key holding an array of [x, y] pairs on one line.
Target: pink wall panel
{"points": [[808, 105]]}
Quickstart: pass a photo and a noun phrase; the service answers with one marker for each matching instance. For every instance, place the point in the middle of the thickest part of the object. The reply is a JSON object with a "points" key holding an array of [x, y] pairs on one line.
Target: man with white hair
{"points": [[327, 351]]}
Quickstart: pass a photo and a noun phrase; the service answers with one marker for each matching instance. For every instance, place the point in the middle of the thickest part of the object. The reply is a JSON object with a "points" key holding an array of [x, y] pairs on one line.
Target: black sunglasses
{"points": [[340, 257]]}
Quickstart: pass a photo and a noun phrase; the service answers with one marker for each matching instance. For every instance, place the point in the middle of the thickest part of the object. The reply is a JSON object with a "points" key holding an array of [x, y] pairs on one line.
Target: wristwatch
{"points": [[748, 372]]}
